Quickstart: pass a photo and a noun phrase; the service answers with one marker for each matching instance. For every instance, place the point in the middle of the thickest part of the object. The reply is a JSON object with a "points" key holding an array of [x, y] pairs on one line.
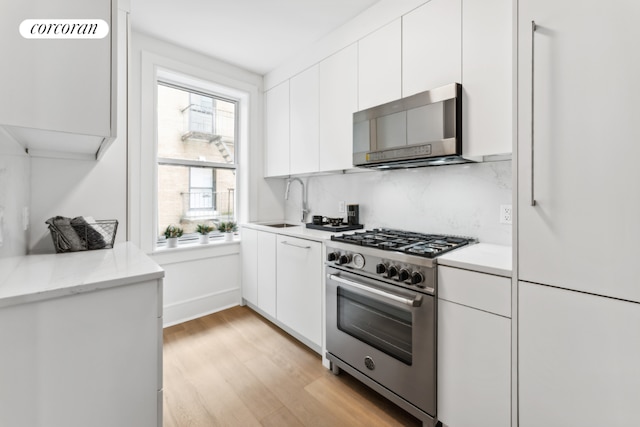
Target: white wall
{"points": [[15, 187], [82, 187], [456, 199], [256, 196], [78, 187], [199, 280]]}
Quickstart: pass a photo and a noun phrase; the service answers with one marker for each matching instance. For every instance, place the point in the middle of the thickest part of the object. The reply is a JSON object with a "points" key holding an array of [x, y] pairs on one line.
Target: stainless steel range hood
{"points": [[424, 129]]}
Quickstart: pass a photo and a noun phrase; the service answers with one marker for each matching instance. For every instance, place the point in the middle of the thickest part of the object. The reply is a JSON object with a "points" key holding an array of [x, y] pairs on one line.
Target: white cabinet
{"points": [[59, 95], [299, 281], [431, 46], [277, 130], [474, 349], [259, 269], [487, 68], [474, 367], [583, 231], [249, 253], [267, 272], [87, 359], [380, 65], [578, 359], [304, 122], [338, 102]]}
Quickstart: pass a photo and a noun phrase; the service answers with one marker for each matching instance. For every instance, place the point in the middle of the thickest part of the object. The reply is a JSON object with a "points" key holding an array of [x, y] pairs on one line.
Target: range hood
{"points": [[424, 129]]}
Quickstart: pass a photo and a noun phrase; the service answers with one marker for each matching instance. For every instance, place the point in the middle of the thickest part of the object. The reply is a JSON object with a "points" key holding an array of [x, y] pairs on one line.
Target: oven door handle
{"points": [[416, 302]]}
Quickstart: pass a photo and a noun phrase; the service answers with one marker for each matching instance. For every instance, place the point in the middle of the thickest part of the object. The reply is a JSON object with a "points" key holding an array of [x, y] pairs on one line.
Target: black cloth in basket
{"points": [[81, 234]]}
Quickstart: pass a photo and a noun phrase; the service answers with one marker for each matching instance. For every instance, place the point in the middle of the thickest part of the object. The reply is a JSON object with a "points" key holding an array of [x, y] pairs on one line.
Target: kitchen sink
{"points": [[281, 225]]}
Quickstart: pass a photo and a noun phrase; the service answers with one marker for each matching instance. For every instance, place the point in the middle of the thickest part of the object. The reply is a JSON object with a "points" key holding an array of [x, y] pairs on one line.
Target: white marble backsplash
{"points": [[457, 199]]}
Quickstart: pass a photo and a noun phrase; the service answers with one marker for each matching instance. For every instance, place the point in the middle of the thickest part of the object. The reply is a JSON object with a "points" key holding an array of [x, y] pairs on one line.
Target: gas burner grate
{"points": [[424, 245]]}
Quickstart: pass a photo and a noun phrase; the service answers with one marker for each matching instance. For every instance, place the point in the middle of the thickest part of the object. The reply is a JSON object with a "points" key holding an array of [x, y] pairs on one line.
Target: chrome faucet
{"points": [[305, 209]]}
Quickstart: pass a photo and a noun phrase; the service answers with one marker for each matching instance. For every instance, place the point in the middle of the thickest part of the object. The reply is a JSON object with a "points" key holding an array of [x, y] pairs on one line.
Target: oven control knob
{"points": [[381, 268], [392, 271], [344, 259], [404, 274], [416, 278], [333, 256]]}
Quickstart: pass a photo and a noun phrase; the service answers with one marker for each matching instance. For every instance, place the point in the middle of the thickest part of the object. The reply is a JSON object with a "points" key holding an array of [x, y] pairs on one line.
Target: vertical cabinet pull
{"points": [[533, 56]]}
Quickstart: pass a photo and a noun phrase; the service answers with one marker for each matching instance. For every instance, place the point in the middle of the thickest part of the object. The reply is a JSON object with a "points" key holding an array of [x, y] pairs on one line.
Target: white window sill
{"points": [[193, 250]]}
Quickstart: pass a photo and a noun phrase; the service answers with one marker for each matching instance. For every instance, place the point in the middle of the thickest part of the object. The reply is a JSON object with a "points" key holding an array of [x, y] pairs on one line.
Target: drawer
{"points": [[478, 290]]}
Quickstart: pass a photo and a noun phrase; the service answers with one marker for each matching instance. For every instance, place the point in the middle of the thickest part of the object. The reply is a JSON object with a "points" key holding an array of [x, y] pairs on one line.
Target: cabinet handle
{"points": [[284, 242], [533, 32]]}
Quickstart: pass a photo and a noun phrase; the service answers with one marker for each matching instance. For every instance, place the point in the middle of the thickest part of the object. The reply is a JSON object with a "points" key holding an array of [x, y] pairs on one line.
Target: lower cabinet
{"points": [[259, 269], [87, 359], [578, 359], [474, 351], [299, 282], [282, 277]]}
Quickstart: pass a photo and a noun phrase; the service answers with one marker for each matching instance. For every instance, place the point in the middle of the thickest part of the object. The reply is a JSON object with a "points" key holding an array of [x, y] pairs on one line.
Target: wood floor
{"points": [[234, 368]]}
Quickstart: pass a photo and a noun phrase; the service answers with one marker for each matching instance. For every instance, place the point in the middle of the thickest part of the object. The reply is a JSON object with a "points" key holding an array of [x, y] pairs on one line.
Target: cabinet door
{"points": [[379, 66], [304, 122], [578, 359], [249, 251], [338, 102], [583, 231], [90, 359], [62, 85], [266, 271], [487, 105], [299, 270], [277, 130], [431, 46]]}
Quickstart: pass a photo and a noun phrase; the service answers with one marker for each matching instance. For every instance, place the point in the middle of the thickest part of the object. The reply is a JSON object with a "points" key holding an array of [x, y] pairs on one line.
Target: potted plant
{"points": [[172, 233], [204, 230], [228, 228]]}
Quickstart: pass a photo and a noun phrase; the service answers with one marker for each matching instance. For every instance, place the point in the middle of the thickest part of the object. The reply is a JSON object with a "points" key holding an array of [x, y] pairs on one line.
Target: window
{"points": [[196, 157]]}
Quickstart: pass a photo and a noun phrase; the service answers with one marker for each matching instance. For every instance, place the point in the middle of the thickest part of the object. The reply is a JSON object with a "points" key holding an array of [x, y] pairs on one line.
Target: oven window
{"points": [[380, 325]]}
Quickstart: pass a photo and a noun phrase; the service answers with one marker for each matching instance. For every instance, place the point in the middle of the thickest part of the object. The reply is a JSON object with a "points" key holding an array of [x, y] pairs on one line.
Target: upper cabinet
{"points": [[277, 130], [431, 46], [487, 67], [59, 95], [303, 117], [338, 102], [438, 43], [380, 65]]}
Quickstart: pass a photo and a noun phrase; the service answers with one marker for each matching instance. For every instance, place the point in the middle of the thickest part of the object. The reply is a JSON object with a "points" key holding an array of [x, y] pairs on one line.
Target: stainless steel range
{"points": [[381, 313]]}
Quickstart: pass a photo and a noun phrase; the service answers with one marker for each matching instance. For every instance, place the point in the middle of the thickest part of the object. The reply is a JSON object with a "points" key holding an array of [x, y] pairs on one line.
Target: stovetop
{"points": [[420, 244]]}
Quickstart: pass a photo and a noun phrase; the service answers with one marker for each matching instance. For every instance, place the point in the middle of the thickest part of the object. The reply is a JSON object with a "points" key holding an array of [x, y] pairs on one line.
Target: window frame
{"points": [[160, 240]]}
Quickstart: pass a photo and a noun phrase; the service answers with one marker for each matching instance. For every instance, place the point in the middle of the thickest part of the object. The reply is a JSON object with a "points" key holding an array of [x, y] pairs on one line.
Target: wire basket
{"points": [[80, 235]]}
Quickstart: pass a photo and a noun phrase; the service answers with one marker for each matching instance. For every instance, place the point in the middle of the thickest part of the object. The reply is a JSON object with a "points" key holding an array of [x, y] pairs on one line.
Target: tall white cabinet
{"points": [[584, 173], [578, 210]]}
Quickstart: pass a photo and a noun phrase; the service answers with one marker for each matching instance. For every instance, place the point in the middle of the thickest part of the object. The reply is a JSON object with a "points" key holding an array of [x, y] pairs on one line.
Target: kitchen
{"points": [[562, 360]]}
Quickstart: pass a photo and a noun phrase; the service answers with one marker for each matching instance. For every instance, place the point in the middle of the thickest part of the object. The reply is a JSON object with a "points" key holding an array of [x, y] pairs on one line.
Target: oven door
{"points": [[388, 333]]}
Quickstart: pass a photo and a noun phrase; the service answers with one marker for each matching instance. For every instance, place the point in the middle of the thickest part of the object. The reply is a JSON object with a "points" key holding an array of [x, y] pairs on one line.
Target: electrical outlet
{"points": [[506, 214], [341, 207]]}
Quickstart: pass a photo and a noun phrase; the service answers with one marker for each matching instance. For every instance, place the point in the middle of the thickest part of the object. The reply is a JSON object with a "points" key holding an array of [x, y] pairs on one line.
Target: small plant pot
{"points": [[172, 242], [203, 239], [228, 236]]}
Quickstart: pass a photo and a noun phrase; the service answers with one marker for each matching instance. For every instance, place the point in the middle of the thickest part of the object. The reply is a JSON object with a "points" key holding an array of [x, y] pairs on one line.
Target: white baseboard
{"points": [[183, 311]]}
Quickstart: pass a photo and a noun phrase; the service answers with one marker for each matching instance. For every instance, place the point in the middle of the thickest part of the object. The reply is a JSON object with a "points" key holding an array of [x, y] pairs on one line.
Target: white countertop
{"points": [[39, 277], [481, 257], [295, 230]]}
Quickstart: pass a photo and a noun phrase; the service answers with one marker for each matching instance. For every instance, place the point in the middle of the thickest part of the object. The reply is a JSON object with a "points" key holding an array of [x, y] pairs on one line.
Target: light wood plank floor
{"points": [[234, 368]]}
